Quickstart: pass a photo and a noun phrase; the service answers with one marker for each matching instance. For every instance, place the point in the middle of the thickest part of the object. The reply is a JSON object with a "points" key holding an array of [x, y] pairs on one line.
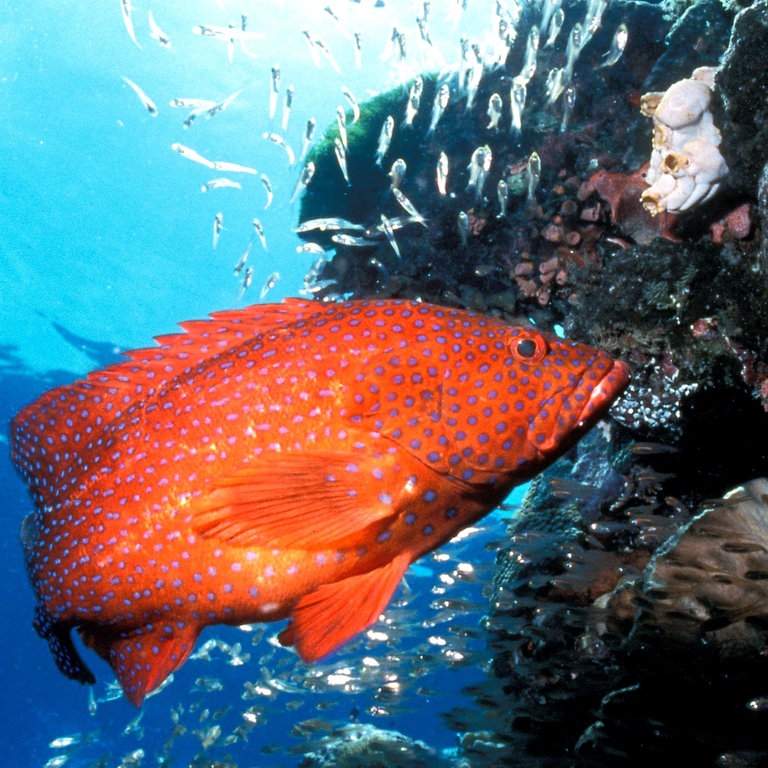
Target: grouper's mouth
{"points": [[578, 410], [605, 392]]}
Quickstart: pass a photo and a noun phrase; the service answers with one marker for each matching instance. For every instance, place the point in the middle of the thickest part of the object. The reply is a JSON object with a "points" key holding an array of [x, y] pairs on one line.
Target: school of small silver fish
{"points": [[459, 74], [216, 718]]}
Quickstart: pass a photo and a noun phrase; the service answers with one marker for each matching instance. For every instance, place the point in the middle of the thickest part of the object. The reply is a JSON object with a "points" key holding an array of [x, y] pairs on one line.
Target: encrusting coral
{"points": [[686, 167]]}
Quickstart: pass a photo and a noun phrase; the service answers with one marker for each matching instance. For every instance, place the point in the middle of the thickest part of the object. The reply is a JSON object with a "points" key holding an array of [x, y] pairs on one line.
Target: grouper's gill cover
{"points": [[285, 460]]}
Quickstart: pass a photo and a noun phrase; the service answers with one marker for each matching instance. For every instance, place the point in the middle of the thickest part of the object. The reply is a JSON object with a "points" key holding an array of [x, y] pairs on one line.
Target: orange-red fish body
{"points": [[286, 460]]}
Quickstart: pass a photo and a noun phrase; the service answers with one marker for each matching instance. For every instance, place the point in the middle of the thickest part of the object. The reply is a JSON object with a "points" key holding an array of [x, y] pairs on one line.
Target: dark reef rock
{"points": [[683, 315], [698, 38], [587, 526], [707, 586], [623, 625], [627, 612], [742, 115], [364, 746], [700, 621], [762, 198]]}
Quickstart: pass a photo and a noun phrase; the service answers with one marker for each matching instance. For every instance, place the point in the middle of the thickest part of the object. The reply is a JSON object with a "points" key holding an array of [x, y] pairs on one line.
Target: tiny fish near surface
{"points": [[282, 461]]}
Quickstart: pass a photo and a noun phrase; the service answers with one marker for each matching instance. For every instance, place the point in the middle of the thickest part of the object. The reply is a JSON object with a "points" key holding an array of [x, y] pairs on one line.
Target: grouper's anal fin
{"points": [[62, 647], [143, 658]]}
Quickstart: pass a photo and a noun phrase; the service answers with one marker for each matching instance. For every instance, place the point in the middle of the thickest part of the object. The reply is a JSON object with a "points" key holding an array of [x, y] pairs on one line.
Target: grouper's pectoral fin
{"points": [[330, 615], [142, 659], [63, 649]]}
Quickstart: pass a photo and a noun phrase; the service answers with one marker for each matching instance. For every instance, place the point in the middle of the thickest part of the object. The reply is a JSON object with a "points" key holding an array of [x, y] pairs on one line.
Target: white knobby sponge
{"points": [[686, 167]]}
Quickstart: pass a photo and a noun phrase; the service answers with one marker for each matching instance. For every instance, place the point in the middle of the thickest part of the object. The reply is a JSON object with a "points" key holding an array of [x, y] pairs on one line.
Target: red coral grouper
{"points": [[285, 460]]}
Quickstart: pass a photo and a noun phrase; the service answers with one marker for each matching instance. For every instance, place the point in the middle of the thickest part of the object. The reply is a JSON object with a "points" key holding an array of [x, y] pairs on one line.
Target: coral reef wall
{"points": [[598, 656]]}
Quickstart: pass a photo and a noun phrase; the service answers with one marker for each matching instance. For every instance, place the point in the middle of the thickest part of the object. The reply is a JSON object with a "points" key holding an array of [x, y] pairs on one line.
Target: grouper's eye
{"points": [[528, 346]]}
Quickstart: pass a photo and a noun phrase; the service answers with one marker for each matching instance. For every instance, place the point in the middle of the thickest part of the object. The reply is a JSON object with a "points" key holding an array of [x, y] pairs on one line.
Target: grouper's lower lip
{"points": [[605, 392]]}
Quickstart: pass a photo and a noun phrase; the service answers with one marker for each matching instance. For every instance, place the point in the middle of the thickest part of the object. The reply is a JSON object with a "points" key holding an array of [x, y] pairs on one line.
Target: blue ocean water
{"points": [[106, 242]]}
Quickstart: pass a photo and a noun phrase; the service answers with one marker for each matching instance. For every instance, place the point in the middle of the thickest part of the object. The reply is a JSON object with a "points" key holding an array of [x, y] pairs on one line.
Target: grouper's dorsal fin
{"points": [[51, 437]]}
